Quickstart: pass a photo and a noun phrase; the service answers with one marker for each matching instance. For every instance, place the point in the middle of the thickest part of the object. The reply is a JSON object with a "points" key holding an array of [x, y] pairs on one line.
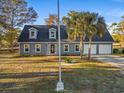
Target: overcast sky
{"points": [[112, 10]]}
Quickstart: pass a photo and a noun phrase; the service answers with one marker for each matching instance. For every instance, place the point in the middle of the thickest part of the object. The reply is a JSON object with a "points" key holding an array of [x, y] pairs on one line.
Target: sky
{"points": [[111, 10]]}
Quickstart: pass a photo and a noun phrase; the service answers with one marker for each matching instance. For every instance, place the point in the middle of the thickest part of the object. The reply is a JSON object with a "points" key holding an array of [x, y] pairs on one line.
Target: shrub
{"points": [[123, 51], [115, 51], [68, 60]]}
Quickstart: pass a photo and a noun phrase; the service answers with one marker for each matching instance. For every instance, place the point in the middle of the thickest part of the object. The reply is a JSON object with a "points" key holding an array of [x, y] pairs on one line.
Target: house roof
{"points": [[43, 35]]}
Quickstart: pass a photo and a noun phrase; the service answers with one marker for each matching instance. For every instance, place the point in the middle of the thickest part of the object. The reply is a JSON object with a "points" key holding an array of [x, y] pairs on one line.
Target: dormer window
{"points": [[33, 33], [52, 33]]}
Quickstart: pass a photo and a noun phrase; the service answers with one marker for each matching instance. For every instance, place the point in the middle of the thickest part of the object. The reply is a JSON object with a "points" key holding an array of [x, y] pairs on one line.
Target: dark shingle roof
{"points": [[43, 35]]}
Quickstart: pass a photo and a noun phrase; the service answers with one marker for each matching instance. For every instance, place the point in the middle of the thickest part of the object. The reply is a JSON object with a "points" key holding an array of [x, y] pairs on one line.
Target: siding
{"points": [[32, 49], [45, 50], [71, 49]]}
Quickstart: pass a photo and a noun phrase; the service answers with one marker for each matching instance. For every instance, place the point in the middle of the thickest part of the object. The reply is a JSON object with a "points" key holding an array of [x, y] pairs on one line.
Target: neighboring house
{"points": [[43, 40]]}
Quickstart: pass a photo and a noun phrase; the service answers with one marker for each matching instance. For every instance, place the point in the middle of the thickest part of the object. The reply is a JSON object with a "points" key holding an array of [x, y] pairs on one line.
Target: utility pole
{"points": [[60, 84]]}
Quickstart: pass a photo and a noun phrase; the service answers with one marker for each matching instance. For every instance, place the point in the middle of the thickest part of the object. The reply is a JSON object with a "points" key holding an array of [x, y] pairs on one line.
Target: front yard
{"points": [[40, 75], [121, 55]]}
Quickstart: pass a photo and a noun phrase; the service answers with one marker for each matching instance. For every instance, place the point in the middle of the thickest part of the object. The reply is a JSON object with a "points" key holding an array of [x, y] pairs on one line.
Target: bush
{"points": [[115, 51], [68, 60], [123, 51]]}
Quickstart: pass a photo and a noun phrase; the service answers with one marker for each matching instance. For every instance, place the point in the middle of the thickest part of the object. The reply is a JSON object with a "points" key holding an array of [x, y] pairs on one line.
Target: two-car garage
{"points": [[104, 48]]}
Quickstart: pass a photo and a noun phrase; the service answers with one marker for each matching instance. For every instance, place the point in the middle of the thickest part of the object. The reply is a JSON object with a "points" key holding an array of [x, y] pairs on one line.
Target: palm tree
{"points": [[95, 25], [75, 27], [81, 23], [70, 22]]}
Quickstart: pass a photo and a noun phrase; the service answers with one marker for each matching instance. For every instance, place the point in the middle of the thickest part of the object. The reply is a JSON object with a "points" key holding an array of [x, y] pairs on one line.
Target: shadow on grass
{"points": [[24, 62], [26, 75], [79, 80]]}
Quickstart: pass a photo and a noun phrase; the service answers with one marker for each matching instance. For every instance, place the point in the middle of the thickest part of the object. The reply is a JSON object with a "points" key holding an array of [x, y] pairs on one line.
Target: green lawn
{"points": [[40, 75]]}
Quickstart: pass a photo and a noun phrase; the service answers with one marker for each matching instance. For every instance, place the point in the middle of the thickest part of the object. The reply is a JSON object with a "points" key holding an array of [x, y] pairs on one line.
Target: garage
{"points": [[105, 48], [93, 49]]}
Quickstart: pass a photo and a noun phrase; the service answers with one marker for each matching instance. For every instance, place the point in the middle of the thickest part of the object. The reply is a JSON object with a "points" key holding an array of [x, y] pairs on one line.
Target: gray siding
{"points": [[45, 49], [71, 49], [32, 49]]}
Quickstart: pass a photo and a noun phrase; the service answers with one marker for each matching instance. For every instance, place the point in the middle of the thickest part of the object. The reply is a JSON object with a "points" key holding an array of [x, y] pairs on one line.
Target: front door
{"points": [[52, 49]]}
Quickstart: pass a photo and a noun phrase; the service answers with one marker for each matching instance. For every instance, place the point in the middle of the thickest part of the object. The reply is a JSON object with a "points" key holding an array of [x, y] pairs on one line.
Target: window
{"points": [[77, 48], [26, 48], [52, 33], [32, 33], [38, 48], [66, 48]]}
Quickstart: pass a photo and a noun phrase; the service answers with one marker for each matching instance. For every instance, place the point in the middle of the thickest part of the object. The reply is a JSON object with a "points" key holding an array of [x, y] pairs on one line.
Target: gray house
{"points": [[43, 40]]}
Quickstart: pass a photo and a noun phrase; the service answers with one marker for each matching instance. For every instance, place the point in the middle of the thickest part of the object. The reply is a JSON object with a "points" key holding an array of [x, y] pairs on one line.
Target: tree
{"points": [[11, 37], [115, 32], [95, 26], [1, 37], [75, 27], [117, 38], [121, 31], [118, 31], [14, 14], [51, 20], [81, 24]]}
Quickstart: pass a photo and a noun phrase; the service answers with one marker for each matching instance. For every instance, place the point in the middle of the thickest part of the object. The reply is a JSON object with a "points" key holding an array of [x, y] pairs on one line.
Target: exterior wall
{"points": [[32, 49], [45, 49], [71, 49]]}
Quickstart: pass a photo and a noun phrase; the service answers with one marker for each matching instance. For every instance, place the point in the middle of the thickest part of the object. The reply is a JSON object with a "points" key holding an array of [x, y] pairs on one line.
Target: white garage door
{"points": [[93, 49], [105, 49]]}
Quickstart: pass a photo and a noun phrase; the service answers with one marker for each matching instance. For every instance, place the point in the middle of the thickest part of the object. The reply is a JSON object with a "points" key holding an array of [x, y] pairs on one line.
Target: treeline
{"points": [[13, 15], [118, 30]]}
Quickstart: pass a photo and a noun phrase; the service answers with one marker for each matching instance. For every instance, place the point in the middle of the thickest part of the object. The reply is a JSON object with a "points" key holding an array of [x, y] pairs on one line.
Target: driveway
{"points": [[115, 60]]}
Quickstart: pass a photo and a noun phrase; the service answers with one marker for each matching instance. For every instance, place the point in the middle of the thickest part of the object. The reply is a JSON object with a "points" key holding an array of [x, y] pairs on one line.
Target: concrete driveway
{"points": [[115, 60]]}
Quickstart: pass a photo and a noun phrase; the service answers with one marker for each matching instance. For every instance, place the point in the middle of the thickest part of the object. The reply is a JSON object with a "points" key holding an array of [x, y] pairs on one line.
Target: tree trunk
{"points": [[0, 47], [81, 46], [11, 47], [121, 41], [90, 46], [11, 50]]}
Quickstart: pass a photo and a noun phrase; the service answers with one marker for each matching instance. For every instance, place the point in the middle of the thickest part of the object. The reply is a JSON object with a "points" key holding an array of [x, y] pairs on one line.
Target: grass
{"points": [[40, 75], [121, 55]]}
